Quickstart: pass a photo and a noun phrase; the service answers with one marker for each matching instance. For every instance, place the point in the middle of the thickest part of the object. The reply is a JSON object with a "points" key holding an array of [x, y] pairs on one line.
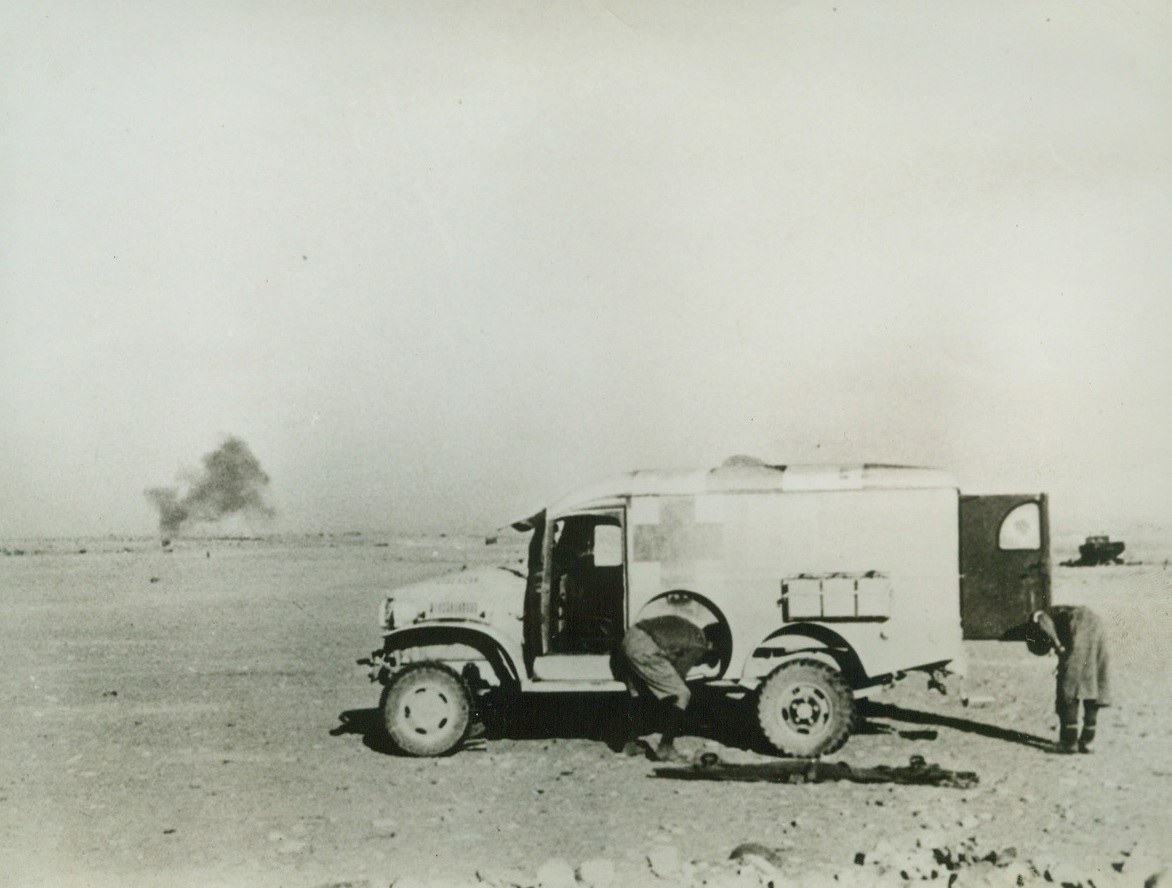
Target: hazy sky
{"points": [[440, 262]]}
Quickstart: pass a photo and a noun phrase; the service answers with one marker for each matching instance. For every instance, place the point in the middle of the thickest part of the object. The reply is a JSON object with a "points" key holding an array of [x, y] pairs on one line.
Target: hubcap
{"points": [[427, 709], [807, 710]]}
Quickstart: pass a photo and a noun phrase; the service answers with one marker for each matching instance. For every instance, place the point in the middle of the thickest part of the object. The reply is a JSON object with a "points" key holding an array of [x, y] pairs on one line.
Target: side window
{"points": [[1022, 528], [595, 539], [608, 545]]}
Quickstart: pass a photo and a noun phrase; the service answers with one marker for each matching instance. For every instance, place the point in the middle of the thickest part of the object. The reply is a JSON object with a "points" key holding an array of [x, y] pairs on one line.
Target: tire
{"points": [[426, 709], [805, 709]]}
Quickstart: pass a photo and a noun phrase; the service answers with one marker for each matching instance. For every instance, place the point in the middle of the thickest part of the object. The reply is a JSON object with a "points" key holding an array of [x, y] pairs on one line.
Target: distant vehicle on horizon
{"points": [[1098, 550]]}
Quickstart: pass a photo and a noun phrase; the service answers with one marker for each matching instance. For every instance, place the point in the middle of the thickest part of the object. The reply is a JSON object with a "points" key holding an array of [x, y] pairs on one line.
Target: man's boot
{"points": [[1090, 717], [632, 723], [673, 721], [1067, 739], [1086, 740]]}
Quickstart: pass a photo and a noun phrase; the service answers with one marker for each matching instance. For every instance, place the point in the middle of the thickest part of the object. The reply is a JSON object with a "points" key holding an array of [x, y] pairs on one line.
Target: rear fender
{"points": [[804, 640], [414, 643]]}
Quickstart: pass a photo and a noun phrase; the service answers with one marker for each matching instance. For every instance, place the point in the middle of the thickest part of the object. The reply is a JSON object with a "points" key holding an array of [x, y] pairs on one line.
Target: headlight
{"points": [[386, 613]]}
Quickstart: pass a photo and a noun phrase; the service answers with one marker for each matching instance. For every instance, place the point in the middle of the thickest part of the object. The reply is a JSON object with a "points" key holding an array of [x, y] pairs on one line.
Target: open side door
{"points": [[580, 614], [1004, 563]]}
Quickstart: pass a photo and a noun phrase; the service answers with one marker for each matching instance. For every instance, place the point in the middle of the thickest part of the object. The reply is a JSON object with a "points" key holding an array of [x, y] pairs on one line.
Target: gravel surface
{"points": [[196, 717]]}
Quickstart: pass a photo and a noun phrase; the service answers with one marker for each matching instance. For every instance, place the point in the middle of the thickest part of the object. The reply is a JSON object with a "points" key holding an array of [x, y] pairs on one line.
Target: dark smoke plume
{"points": [[231, 483]]}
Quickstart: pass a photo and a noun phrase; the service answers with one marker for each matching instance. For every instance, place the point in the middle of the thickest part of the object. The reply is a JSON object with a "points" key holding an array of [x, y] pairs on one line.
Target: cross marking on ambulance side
{"points": [[678, 537]]}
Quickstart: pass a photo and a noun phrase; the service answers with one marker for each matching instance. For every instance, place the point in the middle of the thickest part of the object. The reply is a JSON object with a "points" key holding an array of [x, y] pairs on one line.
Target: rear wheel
{"points": [[426, 709], [805, 709]]}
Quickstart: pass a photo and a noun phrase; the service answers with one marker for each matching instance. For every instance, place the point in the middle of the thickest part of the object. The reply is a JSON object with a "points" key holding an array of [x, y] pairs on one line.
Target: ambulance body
{"points": [[819, 584]]}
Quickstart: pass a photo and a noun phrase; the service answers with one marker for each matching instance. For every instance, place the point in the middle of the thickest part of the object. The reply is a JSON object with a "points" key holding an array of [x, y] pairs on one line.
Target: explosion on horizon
{"points": [[232, 482]]}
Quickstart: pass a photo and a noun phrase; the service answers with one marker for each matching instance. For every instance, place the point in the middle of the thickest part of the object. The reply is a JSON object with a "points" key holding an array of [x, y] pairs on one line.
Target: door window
{"points": [[1021, 529], [608, 545]]}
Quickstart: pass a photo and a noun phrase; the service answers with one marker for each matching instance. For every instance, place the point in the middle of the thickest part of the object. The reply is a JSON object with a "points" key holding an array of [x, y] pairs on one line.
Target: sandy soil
{"points": [[197, 718]]}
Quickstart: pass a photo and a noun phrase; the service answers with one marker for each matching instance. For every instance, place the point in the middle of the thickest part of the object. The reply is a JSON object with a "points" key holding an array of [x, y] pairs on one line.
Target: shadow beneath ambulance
{"points": [[605, 718], [597, 717], [870, 710], [731, 722], [552, 717]]}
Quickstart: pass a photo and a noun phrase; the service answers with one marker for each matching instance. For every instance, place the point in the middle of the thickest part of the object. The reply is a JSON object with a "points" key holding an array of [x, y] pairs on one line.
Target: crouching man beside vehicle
{"points": [[655, 657]]}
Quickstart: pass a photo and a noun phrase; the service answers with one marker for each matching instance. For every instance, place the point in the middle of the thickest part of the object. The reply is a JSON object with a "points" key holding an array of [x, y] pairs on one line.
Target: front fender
{"points": [[501, 654]]}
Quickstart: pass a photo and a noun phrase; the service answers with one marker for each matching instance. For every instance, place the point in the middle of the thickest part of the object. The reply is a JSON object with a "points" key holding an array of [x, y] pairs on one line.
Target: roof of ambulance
{"points": [[753, 477]]}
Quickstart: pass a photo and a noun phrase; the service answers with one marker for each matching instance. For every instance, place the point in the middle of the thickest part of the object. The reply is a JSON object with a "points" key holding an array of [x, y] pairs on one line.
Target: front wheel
{"points": [[805, 709], [426, 709]]}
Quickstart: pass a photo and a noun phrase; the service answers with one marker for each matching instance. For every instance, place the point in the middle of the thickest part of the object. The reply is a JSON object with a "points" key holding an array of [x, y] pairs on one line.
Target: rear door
{"points": [[1004, 563]]}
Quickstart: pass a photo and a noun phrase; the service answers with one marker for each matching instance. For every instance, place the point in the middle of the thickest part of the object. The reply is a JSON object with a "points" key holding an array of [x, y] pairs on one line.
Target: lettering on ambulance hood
{"points": [[673, 533]]}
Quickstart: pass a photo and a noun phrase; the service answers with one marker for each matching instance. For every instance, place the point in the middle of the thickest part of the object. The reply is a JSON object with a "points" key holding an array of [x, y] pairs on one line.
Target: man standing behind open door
{"points": [[1077, 635]]}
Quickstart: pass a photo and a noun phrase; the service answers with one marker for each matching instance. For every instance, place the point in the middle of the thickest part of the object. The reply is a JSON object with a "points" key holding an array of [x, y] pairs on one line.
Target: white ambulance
{"points": [[821, 584]]}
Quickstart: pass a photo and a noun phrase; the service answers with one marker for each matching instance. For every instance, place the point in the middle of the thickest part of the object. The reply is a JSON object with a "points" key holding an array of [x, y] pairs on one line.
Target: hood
{"points": [[492, 595]]}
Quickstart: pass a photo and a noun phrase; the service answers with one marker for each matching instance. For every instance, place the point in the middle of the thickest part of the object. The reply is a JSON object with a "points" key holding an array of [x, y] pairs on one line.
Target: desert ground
{"points": [[196, 717]]}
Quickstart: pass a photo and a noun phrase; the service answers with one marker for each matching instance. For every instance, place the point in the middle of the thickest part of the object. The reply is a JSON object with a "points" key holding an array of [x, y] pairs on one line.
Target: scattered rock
{"points": [[882, 855], [665, 861], [556, 873], [1141, 863], [722, 879], [504, 878], [384, 827], [1064, 873], [598, 872], [850, 878], [760, 864], [980, 875], [770, 856], [1020, 873], [930, 839]]}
